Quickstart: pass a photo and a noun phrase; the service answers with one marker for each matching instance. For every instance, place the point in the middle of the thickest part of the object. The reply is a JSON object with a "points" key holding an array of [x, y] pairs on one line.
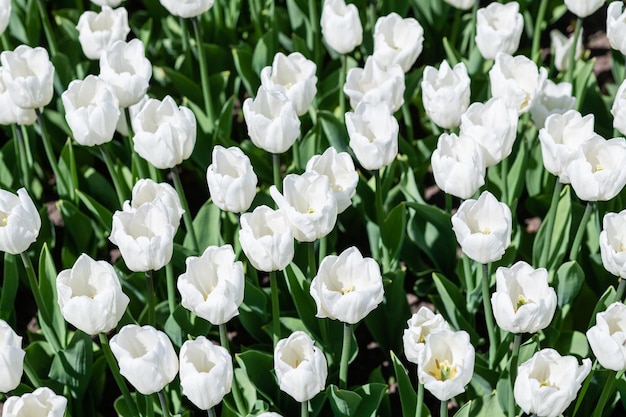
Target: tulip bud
{"points": [[374, 83], [608, 337], [19, 221], [11, 357], [11, 113], [147, 191], [613, 243], [552, 99], [42, 402], [187, 8], [420, 325], [231, 179], [618, 110], [397, 41], [583, 8], [28, 75], [562, 47], [5, 14], [206, 372], [300, 367], [446, 93], [97, 32], [498, 29], [339, 169], [341, 26]]}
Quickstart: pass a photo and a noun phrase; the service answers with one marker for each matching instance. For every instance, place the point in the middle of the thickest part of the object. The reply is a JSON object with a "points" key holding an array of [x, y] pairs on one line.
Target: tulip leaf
{"points": [[10, 284], [573, 342], [335, 131], [344, 403], [371, 395], [258, 366], [184, 85], [549, 255], [264, 51], [394, 223], [570, 277], [81, 235], [242, 56], [47, 284], [207, 227], [305, 305], [100, 213], [464, 411], [179, 326], [408, 397], [72, 366], [453, 305], [603, 303], [489, 407], [254, 312]]}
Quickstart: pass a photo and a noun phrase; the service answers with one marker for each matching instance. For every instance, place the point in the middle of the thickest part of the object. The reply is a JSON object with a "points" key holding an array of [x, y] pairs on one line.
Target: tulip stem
{"points": [[443, 411], [140, 163], [187, 214], [275, 308], [315, 22], [569, 75], [312, 263], [304, 409], [544, 258], [420, 399], [117, 183], [583, 391], [47, 28], [150, 295], [276, 171], [211, 412], [488, 315], [517, 341], [345, 356], [204, 73], [163, 401], [380, 219], [171, 287], [342, 80], [448, 200], [224, 337], [619, 295], [51, 158], [535, 54], [184, 38], [21, 150], [470, 41], [581, 232], [607, 392], [108, 354]]}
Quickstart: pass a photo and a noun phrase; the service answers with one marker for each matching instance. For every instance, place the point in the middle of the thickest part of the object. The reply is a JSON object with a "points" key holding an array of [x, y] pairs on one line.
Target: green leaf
{"points": [[242, 56], [258, 367], [180, 324], [10, 284], [393, 224], [102, 214], [254, 312], [408, 397], [73, 365], [305, 305], [47, 286], [334, 130], [465, 410], [207, 227], [264, 51], [574, 343], [570, 277], [81, 230], [343, 402], [560, 234], [371, 396], [453, 304]]}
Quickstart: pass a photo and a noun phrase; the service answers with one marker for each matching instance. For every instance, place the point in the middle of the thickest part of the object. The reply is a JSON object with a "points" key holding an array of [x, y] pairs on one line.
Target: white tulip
{"points": [[613, 243], [347, 287], [231, 179], [616, 26], [97, 32], [5, 15], [28, 76], [608, 337], [11, 113], [446, 93], [420, 325], [547, 383], [19, 221], [583, 8], [618, 110], [11, 358], [122, 126], [341, 26], [340, 170], [498, 29], [187, 8], [147, 191], [552, 99], [397, 41], [461, 4], [374, 83], [483, 228], [110, 3], [42, 402], [300, 367], [562, 48]]}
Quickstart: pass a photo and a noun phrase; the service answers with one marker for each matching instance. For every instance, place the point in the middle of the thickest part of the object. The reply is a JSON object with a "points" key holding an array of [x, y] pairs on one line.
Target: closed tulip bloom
{"points": [[296, 75], [618, 109], [165, 134], [146, 357], [373, 133], [347, 287], [144, 236], [266, 239], [11, 358], [341, 26], [90, 296], [561, 138], [517, 81], [212, 285], [272, 121], [300, 367], [187, 8], [28, 75], [547, 383], [308, 204], [397, 40], [493, 127], [374, 84], [583, 8], [446, 93], [446, 364], [420, 325], [11, 113], [562, 47], [461, 4], [598, 171], [42, 402], [616, 26], [483, 228], [269, 414], [523, 301], [147, 191], [340, 170], [19, 221], [110, 3], [125, 66], [91, 110], [5, 14], [608, 337], [206, 372], [613, 243], [97, 32], [231, 179], [552, 99], [498, 29]]}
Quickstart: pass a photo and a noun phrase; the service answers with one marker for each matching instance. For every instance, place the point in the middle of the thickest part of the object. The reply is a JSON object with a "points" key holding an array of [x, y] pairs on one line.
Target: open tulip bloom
{"points": [[339, 168], [498, 29], [11, 358], [397, 40], [420, 325], [446, 93], [20, 221], [608, 337], [97, 32], [147, 191], [42, 402], [552, 99], [28, 75], [374, 84], [613, 243]]}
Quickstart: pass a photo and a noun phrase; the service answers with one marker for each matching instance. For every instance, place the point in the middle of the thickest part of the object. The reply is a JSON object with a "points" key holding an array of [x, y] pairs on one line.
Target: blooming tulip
{"points": [[397, 41], [28, 75], [552, 99], [90, 296], [446, 93], [341, 26], [147, 191], [420, 325], [461, 4], [562, 47], [608, 337], [5, 14], [110, 3], [616, 26], [42, 402], [613, 243], [97, 32], [272, 121], [206, 372], [583, 8], [373, 133], [11, 113], [122, 125], [212, 285], [618, 110], [187, 8], [269, 414], [498, 29], [266, 239], [547, 383], [19, 221], [11, 358], [374, 83], [296, 75], [300, 367], [347, 287], [231, 179], [483, 228], [339, 169]]}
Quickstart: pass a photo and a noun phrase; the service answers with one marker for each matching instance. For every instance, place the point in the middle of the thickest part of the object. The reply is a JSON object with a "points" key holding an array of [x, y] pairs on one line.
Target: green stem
{"points": [[312, 263], [50, 155], [342, 80], [443, 410], [21, 150], [535, 54], [149, 406], [420, 399], [129, 124], [47, 28], [151, 301], [171, 287], [163, 401], [184, 35], [448, 199], [140, 163], [314, 21], [517, 341], [275, 308], [295, 150], [108, 354], [380, 219], [323, 244], [619, 295], [585, 387], [569, 75], [345, 356], [204, 73], [488, 315], [607, 392], [304, 409], [504, 175], [187, 214], [551, 216], [210, 412], [117, 182], [276, 171], [224, 337], [408, 121], [580, 232], [471, 42]]}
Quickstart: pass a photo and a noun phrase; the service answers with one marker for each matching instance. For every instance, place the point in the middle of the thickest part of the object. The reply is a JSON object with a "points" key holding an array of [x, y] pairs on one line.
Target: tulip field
{"points": [[351, 208]]}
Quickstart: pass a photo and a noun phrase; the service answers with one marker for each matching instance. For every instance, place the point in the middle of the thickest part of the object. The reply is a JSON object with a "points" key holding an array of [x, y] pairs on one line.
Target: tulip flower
{"points": [[523, 301], [212, 285], [19, 221], [483, 228], [97, 32], [125, 66], [147, 191], [146, 357], [493, 127], [187, 8], [11, 113], [110, 3], [461, 4], [374, 83], [618, 110], [11, 358], [446, 363], [583, 8], [420, 325], [42, 402], [339, 169], [446, 93], [552, 99], [347, 287], [122, 126], [397, 41], [206, 372], [266, 239], [547, 383], [616, 26], [300, 367], [458, 165], [165, 134], [231, 179], [562, 47], [296, 75], [341, 26], [608, 337], [272, 121], [91, 110], [373, 133], [308, 204], [498, 29], [5, 15], [90, 296], [613, 243], [28, 75], [269, 414]]}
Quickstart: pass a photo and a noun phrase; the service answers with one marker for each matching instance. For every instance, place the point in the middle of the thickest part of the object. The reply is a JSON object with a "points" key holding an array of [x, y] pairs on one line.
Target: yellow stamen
{"points": [[444, 370], [521, 300]]}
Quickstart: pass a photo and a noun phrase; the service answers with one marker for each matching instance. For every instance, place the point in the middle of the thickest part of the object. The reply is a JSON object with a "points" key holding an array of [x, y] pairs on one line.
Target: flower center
{"points": [[444, 370], [346, 290], [525, 102], [598, 168], [4, 219], [547, 383], [485, 232], [521, 300]]}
